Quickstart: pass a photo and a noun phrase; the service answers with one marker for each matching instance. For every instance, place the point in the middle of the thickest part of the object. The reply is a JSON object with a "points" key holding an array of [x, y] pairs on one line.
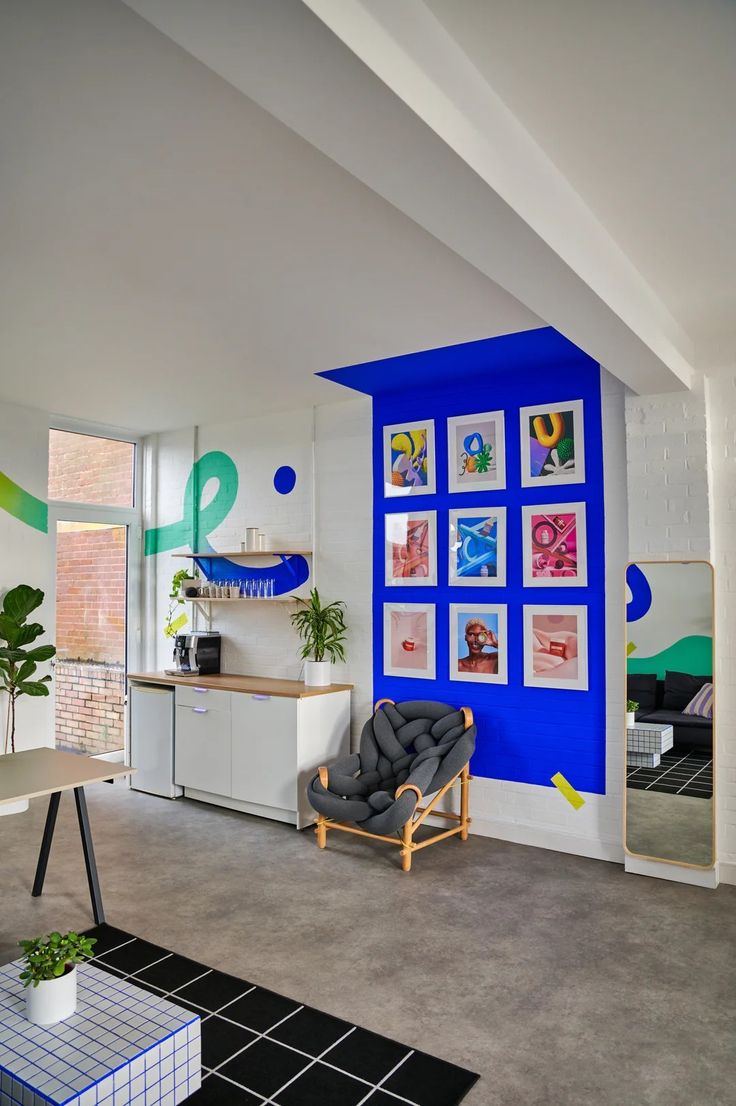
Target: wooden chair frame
{"points": [[406, 838]]}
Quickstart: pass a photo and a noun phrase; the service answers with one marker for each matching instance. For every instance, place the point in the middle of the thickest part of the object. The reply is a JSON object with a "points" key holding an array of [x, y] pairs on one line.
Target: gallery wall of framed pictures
{"points": [[501, 527]]}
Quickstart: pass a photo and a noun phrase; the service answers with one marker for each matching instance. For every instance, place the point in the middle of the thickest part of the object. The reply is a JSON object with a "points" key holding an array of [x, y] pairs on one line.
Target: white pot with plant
{"points": [[18, 664], [323, 631], [50, 975], [631, 708]]}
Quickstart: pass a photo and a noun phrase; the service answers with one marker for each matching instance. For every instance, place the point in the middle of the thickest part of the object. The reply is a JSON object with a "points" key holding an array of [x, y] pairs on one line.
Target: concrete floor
{"points": [[561, 980], [673, 827]]}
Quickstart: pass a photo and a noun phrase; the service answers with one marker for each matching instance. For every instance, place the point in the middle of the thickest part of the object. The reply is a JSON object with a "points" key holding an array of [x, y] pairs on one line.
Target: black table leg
{"points": [[48, 836], [89, 856]]}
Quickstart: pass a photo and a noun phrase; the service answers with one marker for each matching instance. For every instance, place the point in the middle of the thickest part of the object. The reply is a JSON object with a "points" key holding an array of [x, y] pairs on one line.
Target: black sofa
{"points": [[664, 700]]}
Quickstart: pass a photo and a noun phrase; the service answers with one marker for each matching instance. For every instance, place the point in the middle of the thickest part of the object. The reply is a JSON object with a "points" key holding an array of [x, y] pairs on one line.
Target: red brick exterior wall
{"points": [[89, 707], [90, 594], [83, 469]]}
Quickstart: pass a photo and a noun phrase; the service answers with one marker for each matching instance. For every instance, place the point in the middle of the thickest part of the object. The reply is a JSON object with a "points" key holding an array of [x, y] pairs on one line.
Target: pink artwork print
{"points": [[554, 545]]}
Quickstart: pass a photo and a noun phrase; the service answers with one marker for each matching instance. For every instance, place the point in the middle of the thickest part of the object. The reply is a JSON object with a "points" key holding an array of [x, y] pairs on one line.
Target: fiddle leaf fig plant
{"points": [[321, 628], [17, 663], [50, 957]]}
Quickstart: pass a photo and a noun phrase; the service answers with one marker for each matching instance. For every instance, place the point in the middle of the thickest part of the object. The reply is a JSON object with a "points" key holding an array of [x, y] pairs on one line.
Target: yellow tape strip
{"points": [[574, 798]]}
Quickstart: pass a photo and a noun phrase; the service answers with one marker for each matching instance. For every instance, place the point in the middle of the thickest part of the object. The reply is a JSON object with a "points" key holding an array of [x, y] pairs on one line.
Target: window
{"points": [[87, 469]]}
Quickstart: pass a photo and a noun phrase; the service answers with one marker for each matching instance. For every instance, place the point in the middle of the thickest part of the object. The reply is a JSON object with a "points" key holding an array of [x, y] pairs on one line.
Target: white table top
{"points": [[35, 772]]}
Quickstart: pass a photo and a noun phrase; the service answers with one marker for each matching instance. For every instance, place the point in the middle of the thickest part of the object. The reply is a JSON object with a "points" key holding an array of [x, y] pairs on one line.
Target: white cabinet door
{"points": [[202, 746], [264, 758]]}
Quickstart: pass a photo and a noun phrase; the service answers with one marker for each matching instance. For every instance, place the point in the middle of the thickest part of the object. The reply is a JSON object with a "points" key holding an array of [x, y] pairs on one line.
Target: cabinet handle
{"points": [[261, 698], [199, 710], [201, 690]]}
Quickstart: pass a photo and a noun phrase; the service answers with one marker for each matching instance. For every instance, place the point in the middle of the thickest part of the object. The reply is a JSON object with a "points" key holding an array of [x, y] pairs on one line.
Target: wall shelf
{"points": [[249, 553], [242, 600]]}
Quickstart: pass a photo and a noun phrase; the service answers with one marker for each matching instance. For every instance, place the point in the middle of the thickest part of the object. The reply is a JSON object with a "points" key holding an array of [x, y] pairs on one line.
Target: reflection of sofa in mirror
{"points": [[664, 701]]}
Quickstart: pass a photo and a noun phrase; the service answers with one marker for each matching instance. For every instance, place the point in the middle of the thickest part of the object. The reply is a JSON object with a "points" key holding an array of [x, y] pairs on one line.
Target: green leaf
{"points": [[20, 601], [33, 688], [41, 653], [26, 669]]}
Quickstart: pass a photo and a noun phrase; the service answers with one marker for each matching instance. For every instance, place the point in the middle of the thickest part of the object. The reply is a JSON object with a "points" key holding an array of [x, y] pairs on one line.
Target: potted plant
{"points": [[175, 618], [50, 975], [631, 708], [323, 630]]}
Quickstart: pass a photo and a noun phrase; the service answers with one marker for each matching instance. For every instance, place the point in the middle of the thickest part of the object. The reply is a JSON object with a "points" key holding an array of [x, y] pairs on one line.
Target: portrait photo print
{"points": [[556, 647], [409, 640], [478, 643]]}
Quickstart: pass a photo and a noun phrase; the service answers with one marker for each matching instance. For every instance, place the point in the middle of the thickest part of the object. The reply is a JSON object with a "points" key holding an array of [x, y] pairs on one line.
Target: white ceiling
{"points": [[171, 252], [634, 102]]}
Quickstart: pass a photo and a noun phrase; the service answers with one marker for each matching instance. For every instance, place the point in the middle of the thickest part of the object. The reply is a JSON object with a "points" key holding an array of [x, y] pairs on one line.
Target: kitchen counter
{"points": [[252, 685]]}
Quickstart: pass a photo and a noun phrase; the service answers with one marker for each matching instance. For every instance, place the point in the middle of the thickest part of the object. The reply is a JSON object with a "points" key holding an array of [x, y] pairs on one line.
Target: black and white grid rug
{"points": [[262, 1049], [677, 774]]}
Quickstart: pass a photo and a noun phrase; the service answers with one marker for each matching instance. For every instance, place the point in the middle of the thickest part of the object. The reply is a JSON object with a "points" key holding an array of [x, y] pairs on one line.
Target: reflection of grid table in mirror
{"points": [[124, 1045], [645, 743]]}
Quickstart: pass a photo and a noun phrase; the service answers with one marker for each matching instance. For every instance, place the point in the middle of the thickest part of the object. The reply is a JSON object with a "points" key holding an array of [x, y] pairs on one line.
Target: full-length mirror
{"points": [[669, 808]]}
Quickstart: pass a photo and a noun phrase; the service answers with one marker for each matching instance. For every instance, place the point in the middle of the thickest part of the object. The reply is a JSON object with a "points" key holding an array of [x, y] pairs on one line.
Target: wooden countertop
{"points": [[35, 772], [253, 685]]}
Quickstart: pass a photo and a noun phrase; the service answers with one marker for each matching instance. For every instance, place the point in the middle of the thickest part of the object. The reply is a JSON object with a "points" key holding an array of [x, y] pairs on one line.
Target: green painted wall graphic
{"points": [[22, 505], [693, 654], [197, 522]]}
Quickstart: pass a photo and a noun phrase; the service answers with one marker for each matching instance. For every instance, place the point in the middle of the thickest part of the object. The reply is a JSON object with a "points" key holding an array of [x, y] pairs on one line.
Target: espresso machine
{"points": [[196, 653]]}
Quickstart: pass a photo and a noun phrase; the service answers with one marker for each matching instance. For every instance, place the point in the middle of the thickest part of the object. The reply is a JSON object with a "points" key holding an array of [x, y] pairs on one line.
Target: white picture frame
{"points": [[466, 553], [410, 544], [420, 436], [404, 623], [485, 429], [494, 618], [556, 470], [551, 665], [554, 546]]}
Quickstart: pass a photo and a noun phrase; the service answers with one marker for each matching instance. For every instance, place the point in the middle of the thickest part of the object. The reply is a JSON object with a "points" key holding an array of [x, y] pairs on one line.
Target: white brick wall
{"points": [[720, 396], [667, 476]]}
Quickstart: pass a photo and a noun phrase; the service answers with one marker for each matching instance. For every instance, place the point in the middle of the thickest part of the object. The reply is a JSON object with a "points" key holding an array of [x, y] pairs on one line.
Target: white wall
{"points": [[26, 553], [667, 476]]}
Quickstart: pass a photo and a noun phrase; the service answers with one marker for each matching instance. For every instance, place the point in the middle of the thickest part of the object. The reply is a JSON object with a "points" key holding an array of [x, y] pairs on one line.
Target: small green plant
{"points": [[631, 706], [50, 957], [174, 621], [321, 628], [18, 664]]}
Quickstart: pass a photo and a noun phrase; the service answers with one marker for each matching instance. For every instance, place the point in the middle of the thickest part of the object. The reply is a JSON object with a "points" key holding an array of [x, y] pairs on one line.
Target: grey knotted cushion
{"points": [[418, 742]]}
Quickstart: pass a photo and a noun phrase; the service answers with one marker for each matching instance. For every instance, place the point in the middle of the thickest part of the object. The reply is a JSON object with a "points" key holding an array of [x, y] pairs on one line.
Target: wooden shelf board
{"points": [[242, 600]]}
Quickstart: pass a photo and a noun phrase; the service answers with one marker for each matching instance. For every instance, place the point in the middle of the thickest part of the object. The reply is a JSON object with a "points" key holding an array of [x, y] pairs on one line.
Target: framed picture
{"points": [[477, 546], [552, 444], [555, 550], [476, 452], [411, 548], [556, 647], [478, 643], [408, 459], [409, 640]]}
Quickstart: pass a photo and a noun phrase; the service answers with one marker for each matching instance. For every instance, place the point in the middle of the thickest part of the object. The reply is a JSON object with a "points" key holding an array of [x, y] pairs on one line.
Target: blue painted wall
{"points": [[525, 734]]}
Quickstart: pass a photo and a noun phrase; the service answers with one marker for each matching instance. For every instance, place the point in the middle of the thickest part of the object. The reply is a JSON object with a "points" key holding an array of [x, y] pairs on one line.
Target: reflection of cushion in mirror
{"points": [[642, 688], [701, 703], [679, 688]]}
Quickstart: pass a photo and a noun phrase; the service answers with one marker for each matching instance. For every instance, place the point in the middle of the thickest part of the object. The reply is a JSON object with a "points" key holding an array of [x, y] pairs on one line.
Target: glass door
{"points": [[91, 635]]}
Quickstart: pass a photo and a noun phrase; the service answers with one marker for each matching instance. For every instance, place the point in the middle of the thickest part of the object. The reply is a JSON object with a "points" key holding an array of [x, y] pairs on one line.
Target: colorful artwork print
{"points": [[408, 459], [476, 452], [411, 549], [552, 445], [556, 647], [478, 643], [555, 545], [408, 640], [477, 547]]}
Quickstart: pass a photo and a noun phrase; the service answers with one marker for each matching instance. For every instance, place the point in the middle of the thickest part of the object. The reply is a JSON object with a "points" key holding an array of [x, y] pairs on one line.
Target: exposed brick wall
{"points": [[89, 706], [90, 594], [83, 469]]}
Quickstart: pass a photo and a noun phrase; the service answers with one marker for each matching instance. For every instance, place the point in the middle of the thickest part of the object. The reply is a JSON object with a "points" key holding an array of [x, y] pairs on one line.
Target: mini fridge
{"points": [[151, 716]]}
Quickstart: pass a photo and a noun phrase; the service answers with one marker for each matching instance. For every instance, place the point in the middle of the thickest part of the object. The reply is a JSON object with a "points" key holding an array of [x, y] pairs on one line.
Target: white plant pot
{"points": [[318, 673], [53, 1000], [630, 718]]}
